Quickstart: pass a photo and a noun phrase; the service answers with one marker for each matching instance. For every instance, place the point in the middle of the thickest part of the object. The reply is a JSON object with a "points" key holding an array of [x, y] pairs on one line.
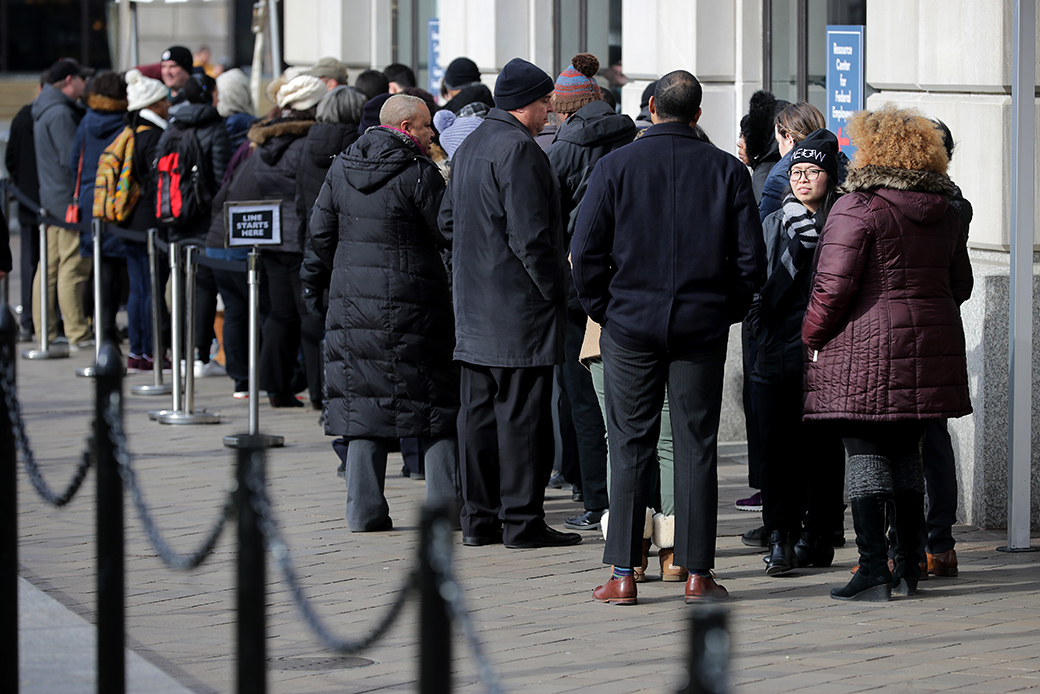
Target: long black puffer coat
{"points": [[389, 329]]}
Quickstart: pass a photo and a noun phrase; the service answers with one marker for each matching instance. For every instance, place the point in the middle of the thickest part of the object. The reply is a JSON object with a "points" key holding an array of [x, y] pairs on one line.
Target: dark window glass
{"points": [[38, 32]]}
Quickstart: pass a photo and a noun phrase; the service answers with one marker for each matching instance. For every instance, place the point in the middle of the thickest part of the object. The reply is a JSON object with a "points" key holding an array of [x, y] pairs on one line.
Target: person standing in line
{"points": [[885, 344], [667, 254], [374, 226], [56, 114], [20, 160], [590, 130], [176, 67], [502, 213]]}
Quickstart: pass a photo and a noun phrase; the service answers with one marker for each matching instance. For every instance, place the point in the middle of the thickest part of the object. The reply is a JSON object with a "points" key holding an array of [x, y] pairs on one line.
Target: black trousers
{"points": [[940, 483], [505, 449], [288, 328], [749, 347], [589, 429], [205, 308], [30, 260], [803, 463], [634, 385]]}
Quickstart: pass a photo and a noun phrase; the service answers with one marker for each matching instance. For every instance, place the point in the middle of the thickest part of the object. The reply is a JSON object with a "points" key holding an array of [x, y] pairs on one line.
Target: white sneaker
{"points": [[240, 395], [210, 368]]}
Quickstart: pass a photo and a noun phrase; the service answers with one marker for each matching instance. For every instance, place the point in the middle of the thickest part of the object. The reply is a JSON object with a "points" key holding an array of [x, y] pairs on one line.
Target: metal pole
{"points": [[8, 513], [709, 651], [189, 415], [158, 387], [111, 627], [43, 330], [1020, 382], [134, 59], [276, 40], [802, 33], [253, 277], [251, 564], [434, 617], [89, 371]]}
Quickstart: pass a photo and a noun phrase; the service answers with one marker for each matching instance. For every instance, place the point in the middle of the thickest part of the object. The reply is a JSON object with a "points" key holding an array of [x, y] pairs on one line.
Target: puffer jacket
{"points": [[273, 167], [216, 149], [389, 329], [883, 326], [96, 131]]}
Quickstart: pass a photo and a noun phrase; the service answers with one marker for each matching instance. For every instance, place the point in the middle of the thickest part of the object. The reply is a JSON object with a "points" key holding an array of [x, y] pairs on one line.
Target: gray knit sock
{"points": [[869, 475], [908, 473]]}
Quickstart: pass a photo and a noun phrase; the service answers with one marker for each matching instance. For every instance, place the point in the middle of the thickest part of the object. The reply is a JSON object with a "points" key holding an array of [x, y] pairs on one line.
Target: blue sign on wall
{"points": [[845, 85], [436, 71]]}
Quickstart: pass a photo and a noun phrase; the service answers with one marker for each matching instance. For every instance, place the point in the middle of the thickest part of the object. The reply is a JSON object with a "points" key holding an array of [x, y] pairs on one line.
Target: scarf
{"points": [[797, 245]]}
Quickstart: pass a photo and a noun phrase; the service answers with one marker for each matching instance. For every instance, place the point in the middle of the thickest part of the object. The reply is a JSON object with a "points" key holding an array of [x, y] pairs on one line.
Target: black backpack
{"points": [[184, 195]]}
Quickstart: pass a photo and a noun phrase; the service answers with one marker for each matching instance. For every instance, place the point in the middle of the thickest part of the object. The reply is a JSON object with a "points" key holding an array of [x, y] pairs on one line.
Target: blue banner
{"points": [[435, 69], [845, 84]]}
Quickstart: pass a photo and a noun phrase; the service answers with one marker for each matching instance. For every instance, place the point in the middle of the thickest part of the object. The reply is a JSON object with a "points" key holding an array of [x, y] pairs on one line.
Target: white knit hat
{"points": [[142, 92], [301, 92]]}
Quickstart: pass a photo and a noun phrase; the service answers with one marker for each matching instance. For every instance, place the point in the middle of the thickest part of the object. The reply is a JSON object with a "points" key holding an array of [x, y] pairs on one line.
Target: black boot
{"points": [[814, 550], [908, 522], [781, 553], [873, 581]]}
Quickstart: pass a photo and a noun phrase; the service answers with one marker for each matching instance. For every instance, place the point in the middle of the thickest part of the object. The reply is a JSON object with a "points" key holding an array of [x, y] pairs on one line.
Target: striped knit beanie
{"points": [[575, 86]]}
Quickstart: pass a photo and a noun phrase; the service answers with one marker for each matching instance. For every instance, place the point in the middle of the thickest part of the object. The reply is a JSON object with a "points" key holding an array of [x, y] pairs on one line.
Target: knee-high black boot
{"points": [[909, 521], [873, 581]]}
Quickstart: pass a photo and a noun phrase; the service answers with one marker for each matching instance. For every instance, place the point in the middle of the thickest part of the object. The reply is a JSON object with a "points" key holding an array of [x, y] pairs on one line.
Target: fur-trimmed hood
{"points": [[99, 102], [871, 177], [268, 130]]}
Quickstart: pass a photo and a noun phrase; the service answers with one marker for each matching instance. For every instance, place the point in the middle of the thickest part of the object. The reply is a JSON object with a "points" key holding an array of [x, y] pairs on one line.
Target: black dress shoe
{"points": [[577, 496], [545, 537], [482, 540], [557, 482], [781, 554], [589, 520], [756, 537]]}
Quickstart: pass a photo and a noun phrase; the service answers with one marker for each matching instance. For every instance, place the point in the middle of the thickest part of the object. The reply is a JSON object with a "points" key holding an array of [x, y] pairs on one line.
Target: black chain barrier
{"points": [[14, 410], [126, 471]]}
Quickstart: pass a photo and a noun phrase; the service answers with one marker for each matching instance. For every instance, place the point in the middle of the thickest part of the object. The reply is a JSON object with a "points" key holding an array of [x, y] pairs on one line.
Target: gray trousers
{"points": [[366, 476]]}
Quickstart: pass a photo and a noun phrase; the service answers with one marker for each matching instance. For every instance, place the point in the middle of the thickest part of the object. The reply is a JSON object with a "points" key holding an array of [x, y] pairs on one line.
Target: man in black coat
{"points": [[20, 158], [388, 332], [667, 253], [502, 211]]}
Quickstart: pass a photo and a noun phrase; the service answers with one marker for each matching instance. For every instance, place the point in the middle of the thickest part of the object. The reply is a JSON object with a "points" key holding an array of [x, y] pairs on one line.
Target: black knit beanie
{"points": [[820, 148], [180, 55], [521, 83], [460, 72]]}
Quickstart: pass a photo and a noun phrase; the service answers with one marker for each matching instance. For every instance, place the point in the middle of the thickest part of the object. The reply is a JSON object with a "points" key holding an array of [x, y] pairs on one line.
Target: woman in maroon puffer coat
{"points": [[883, 332]]}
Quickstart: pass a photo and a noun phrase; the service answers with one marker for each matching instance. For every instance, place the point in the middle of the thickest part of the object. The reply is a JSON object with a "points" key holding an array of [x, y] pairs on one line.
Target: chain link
{"points": [[14, 411], [125, 461], [273, 540]]}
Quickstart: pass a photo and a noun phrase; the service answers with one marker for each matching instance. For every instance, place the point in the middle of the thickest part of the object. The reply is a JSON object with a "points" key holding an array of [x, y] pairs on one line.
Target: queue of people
{"points": [[439, 274]]}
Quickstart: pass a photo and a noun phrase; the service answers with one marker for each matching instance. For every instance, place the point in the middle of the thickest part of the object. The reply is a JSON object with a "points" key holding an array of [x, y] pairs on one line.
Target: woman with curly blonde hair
{"points": [[885, 345]]}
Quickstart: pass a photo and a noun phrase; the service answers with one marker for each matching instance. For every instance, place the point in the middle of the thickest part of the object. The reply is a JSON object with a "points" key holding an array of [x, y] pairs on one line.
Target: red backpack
{"points": [[184, 193]]}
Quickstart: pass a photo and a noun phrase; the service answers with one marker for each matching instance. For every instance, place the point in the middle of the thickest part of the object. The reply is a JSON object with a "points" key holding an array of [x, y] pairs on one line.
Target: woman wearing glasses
{"points": [[801, 464], [883, 333]]}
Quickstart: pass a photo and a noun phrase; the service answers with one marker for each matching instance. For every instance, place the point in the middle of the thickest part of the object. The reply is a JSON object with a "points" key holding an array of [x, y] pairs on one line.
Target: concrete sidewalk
{"points": [[532, 608]]}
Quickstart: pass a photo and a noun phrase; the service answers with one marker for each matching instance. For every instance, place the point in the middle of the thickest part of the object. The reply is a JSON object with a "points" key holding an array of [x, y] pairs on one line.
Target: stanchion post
{"points": [[251, 577], [8, 512], [709, 651], [434, 616], [188, 415], [253, 278], [46, 350], [111, 658], [97, 227], [176, 338], [157, 387]]}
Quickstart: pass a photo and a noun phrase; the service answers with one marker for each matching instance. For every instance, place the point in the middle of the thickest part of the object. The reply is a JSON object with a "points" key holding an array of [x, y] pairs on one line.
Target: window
{"points": [[580, 26], [35, 33], [410, 41]]}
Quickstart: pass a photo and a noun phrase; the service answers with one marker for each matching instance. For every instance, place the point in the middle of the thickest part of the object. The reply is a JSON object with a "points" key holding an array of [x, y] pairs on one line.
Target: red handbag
{"points": [[72, 211]]}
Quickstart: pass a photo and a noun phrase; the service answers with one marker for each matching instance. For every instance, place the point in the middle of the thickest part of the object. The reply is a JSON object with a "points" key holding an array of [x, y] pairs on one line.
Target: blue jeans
{"points": [[139, 301]]}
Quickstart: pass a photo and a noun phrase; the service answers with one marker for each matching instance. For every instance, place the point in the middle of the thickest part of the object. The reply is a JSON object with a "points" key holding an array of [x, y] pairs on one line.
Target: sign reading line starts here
{"points": [[253, 223]]}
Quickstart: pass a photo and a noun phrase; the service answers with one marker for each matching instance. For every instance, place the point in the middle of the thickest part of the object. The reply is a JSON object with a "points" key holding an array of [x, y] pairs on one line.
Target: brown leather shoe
{"points": [[617, 591], [669, 571], [944, 564], [704, 589]]}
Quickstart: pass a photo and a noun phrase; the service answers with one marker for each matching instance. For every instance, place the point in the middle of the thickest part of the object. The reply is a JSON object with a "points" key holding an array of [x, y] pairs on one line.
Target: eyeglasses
{"points": [[807, 174]]}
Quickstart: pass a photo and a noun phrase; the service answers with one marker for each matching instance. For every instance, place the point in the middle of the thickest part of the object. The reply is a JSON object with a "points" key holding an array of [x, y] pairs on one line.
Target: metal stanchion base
{"points": [[155, 414], [1017, 550], [264, 440], [86, 372], [53, 353], [151, 389], [188, 418]]}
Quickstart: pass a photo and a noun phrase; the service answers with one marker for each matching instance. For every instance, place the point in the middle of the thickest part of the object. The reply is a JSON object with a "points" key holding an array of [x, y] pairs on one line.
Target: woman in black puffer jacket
{"points": [[270, 174]]}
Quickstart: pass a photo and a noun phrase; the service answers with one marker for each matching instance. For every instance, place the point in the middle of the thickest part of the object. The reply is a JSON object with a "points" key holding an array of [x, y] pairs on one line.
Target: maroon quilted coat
{"points": [[892, 270]]}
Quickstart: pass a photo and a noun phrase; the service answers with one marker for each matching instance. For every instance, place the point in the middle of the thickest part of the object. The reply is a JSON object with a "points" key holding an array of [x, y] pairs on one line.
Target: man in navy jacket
{"points": [[667, 253]]}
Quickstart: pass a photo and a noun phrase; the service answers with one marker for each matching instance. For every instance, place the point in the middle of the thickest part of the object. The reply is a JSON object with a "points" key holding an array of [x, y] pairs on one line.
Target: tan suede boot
{"points": [[669, 571]]}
